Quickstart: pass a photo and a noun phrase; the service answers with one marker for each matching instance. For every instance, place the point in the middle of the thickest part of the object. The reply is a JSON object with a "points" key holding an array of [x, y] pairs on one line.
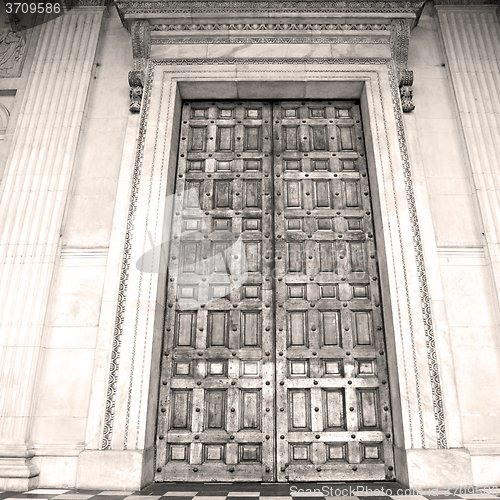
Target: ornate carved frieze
{"points": [[259, 32], [327, 22], [272, 27], [132, 7]]}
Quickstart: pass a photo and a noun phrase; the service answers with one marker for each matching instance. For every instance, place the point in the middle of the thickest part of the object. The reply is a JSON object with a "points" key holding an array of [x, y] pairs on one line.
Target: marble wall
{"points": [[465, 296], [67, 375]]}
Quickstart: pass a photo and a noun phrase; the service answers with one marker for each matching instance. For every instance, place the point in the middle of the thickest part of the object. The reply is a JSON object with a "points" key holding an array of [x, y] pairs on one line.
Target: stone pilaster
{"points": [[32, 201], [471, 36]]}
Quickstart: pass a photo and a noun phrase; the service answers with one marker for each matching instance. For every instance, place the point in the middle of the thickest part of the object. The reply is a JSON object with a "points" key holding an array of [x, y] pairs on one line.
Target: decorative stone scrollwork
{"points": [[400, 40], [140, 49], [136, 82], [405, 90]]}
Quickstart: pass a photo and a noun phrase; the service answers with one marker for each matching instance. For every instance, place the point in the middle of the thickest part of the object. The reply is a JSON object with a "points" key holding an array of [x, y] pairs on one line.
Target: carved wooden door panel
{"points": [[333, 419], [216, 419], [274, 364]]}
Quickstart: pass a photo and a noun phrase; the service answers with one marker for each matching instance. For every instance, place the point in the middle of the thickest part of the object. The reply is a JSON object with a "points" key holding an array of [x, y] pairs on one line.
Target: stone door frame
{"points": [[127, 366]]}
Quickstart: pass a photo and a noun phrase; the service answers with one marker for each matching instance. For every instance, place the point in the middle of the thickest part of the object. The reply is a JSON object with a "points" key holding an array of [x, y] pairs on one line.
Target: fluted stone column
{"points": [[471, 39], [32, 200], [471, 36]]}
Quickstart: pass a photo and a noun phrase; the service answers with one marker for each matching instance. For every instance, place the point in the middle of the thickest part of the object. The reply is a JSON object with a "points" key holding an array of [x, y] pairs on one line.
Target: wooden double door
{"points": [[274, 365]]}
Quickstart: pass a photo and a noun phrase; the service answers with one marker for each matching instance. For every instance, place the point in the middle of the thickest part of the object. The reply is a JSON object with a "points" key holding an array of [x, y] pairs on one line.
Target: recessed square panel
{"points": [[214, 452], [226, 113], [365, 367], [219, 291], [297, 291], [324, 224], [354, 224], [250, 368], [360, 291], [183, 368], [187, 292], [317, 113], [290, 112], [292, 164], [253, 165], [320, 165], [371, 452], [219, 224], [294, 224], [249, 452], [192, 225], [223, 165], [197, 113], [298, 367], [343, 113], [348, 165], [336, 452], [178, 452], [329, 291], [300, 452], [251, 291], [253, 113], [195, 166], [251, 224], [217, 368], [333, 368]]}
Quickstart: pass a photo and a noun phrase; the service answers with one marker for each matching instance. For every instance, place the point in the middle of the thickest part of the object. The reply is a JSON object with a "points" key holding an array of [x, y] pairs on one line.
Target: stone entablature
{"points": [[188, 22]]}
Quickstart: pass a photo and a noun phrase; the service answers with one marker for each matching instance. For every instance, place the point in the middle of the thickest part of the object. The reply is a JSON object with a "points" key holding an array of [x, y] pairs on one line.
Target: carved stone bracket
{"points": [[400, 41], [136, 82], [405, 90], [140, 31]]}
